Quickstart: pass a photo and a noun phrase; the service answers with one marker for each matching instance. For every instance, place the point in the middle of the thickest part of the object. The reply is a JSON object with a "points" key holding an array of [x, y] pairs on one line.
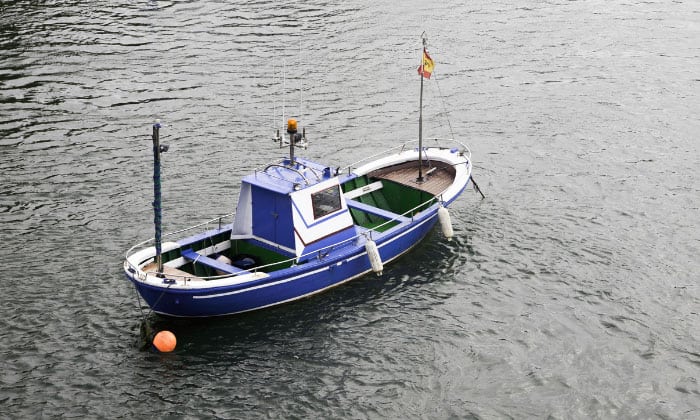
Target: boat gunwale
{"points": [[187, 280], [466, 151], [291, 273], [191, 283], [184, 291]]}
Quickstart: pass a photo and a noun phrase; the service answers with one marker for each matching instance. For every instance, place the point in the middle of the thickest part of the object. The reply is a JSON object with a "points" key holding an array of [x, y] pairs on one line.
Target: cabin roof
{"points": [[281, 177]]}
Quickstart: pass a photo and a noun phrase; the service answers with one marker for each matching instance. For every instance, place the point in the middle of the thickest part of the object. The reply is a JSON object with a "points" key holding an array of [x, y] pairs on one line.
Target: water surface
{"points": [[570, 292]]}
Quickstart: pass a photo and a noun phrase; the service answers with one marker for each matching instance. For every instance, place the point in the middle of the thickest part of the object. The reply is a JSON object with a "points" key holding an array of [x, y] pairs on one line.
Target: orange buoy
{"points": [[165, 341]]}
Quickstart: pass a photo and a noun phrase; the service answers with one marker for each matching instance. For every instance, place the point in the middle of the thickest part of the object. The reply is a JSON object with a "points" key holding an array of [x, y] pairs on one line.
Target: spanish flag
{"points": [[426, 68]]}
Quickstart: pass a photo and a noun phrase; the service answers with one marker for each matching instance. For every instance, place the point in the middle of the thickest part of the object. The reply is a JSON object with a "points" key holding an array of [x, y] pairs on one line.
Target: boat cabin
{"points": [[293, 209]]}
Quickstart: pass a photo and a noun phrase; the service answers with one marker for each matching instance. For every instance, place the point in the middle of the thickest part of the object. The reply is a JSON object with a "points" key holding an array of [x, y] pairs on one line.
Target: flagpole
{"points": [[420, 114]]}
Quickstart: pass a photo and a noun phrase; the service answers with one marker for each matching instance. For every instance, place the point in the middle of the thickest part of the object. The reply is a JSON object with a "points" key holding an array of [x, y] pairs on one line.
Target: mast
{"points": [[420, 114], [157, 218], [292, 131], [296, 139]]}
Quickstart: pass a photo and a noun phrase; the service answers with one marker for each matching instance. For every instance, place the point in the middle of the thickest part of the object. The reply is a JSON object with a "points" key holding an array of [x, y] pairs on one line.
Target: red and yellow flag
{"points": [[426, 68]]}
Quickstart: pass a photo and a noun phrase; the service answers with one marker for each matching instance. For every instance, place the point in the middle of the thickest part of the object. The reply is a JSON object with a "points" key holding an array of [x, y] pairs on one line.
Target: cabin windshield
{"points": [[326, 201]]}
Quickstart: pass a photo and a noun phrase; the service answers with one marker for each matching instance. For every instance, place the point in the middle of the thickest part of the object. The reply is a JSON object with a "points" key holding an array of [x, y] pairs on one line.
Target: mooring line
{"points": [[476, 187]]}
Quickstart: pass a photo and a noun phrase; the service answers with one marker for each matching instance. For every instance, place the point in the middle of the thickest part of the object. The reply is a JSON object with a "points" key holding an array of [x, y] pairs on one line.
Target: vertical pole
{"points": [[291, 148], [157, 220], [292, 131], [420, 114], [301, 86], [420, 130]]}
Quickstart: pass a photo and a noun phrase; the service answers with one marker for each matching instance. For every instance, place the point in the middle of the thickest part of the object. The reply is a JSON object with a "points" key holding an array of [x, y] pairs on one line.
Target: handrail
{"points": [[142, 243], [279, 163], [290, 260], [286, 167], [402, 146]]}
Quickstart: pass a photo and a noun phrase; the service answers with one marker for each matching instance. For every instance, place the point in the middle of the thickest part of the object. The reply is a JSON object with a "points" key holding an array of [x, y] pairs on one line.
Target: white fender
{"points": [[374, 258], [445, 223]]}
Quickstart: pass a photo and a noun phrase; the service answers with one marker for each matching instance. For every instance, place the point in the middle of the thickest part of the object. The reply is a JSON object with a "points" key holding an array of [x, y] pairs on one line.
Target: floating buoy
{"points": [[164, 341], [445, 223], [375, 259]]}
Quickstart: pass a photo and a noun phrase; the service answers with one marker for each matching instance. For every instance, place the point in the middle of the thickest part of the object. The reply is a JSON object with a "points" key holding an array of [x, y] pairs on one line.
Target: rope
{"points": [[444, 108], [159, 298], [145, 329], [138, 300]]}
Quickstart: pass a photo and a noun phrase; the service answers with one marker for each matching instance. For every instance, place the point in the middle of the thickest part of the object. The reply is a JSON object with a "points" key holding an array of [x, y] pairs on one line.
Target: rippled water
{"points": [[570, 292]]}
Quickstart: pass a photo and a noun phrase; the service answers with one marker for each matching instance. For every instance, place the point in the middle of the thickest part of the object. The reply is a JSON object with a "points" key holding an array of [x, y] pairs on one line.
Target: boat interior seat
{"points": [[366, 189], [354, 204]]}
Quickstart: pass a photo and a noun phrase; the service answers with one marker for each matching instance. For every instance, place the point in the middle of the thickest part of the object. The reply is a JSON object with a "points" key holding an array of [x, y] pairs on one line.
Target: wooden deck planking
{"points": [[407, 174], [170, 271]]}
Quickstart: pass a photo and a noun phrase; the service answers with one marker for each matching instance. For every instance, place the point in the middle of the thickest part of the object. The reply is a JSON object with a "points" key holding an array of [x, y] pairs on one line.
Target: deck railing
{"points": [[402, 146], [321, 253]]}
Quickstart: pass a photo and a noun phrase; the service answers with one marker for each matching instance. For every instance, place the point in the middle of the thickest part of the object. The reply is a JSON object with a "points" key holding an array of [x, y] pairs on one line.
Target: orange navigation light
{"points": [[291, 125]]}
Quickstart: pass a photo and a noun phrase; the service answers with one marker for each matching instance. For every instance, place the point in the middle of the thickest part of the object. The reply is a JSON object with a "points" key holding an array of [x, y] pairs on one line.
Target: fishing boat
{"points": [[300, 227]]}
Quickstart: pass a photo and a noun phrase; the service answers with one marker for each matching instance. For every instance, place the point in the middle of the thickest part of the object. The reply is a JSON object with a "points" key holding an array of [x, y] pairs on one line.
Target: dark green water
{"points": [[570, 292]]}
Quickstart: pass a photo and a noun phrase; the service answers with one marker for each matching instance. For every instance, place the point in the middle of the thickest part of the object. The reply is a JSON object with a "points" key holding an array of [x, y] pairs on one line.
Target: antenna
{"points": [[296, 139], [274, 101], [284, 89], [301, 90]]}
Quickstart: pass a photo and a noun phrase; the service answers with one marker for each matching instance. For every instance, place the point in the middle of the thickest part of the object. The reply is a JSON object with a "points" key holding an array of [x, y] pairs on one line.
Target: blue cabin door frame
{"points": [[272, 217]]}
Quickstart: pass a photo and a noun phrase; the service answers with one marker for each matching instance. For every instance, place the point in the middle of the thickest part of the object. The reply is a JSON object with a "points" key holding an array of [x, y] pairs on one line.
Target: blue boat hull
{"points": [[300, 228], [285, 285]]}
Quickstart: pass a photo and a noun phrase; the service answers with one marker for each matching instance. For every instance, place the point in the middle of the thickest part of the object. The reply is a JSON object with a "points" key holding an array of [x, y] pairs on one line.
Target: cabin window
{"points": [[326, 201]]}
